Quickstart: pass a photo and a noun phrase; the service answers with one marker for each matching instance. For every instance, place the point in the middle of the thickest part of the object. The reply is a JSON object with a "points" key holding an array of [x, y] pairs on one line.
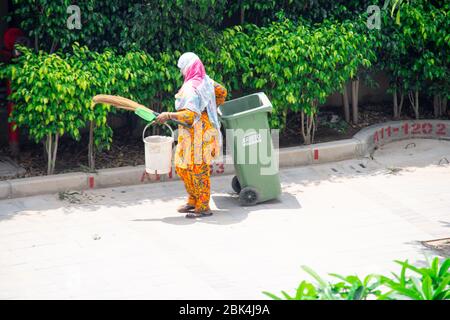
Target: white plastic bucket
{"points": [[158, 152]]}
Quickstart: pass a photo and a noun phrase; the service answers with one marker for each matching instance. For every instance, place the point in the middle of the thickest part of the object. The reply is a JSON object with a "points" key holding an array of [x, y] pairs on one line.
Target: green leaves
{"points": [[433, 284], [413, 49], [297, 64], [53, 92]]}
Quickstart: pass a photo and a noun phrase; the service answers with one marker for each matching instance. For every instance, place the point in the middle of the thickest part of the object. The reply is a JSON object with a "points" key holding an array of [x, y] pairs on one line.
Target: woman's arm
{"points": [[221, 93], [185, 116], [185, 104]]}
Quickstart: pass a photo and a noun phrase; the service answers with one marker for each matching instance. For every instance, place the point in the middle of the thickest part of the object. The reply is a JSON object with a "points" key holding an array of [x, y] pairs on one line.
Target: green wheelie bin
{"points": [[249, 140]]}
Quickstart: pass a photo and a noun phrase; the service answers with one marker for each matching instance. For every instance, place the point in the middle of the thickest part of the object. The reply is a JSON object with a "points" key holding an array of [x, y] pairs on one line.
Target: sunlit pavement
{"points": [[130, 243]]}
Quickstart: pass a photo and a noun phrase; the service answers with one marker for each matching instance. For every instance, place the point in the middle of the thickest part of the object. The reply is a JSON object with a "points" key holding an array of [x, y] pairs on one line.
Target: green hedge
{"points": [[414, 51], [297, 63], [53, 92], [157, 26], [149, 25]]}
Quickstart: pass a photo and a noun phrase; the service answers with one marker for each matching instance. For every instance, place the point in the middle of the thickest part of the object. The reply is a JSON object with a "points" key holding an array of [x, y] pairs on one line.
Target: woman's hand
{"points": [[163, 117]]}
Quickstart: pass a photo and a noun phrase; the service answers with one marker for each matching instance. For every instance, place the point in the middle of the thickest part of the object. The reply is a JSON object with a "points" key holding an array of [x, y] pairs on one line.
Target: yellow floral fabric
{"points": [[198, 185], [221, 93], [196, 145], [197, 148], [193, 155]]}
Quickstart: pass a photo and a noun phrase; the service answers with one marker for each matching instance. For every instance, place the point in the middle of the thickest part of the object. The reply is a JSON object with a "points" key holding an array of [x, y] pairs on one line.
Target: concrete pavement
{"points": [[347, 217]]}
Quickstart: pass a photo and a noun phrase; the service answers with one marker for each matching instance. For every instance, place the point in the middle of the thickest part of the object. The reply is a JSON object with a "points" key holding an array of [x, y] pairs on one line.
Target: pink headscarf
{"points": [[196, 83], [195, 73]]}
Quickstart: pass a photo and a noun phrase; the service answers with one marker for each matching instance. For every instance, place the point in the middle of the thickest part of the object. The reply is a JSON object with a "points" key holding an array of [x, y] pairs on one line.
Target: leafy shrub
{"points": [[298, 65], [154, 26], [162, 26], [262, 12], [414, 53], [433, 284], [46, 23], [46, 98], [53, 92]]}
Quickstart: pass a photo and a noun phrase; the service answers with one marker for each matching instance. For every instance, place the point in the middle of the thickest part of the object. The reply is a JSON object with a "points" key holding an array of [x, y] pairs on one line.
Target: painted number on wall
{"points": [[440, 129]]}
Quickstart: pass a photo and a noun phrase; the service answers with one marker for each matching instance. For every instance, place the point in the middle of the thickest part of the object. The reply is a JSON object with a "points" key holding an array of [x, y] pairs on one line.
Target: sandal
{"points": [[186, 208], [193, 215]]}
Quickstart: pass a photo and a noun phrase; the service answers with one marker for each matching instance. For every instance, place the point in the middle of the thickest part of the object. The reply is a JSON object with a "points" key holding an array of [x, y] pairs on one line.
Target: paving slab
{"points": [[348, 217]]}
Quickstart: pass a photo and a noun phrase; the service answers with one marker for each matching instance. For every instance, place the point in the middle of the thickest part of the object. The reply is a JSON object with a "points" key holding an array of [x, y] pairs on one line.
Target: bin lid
{"points": [[244, 106]]}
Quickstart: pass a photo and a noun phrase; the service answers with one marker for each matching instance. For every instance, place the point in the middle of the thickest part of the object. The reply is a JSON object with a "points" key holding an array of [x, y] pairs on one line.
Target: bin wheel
{"points": [[248, 196], [236, 185]]}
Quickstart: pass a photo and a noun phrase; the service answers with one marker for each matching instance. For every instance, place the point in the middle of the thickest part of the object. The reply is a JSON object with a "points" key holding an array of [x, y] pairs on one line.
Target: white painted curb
{"points": [[361, 145]]}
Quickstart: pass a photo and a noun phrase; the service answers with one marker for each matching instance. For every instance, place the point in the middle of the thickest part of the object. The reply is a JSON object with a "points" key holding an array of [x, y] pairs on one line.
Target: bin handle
{"points": [[264, 99], [148, 125]]}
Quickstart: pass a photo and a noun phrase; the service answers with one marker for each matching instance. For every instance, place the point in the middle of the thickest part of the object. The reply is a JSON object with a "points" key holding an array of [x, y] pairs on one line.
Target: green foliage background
{"points": [[298, 51]]}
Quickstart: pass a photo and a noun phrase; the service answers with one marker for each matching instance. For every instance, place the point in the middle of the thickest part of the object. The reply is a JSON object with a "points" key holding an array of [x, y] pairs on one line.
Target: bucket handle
{"points": [[148, 125]]}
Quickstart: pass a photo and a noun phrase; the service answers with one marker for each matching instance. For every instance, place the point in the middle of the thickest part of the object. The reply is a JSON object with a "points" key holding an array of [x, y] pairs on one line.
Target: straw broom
{"points": [[130, 105], [118, 102]]}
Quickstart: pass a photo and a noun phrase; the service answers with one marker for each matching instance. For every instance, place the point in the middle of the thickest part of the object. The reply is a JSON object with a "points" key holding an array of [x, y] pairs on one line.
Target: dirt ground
{"points": [[127, 149]]}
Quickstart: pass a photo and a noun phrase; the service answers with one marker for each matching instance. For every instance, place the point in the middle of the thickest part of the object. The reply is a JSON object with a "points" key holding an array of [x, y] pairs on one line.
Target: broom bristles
{"points": [[117, 101]]}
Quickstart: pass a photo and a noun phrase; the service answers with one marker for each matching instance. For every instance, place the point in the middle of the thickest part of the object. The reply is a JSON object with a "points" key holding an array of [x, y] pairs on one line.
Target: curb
{"points": [[47, 184], [361, 145], [372, 137]]}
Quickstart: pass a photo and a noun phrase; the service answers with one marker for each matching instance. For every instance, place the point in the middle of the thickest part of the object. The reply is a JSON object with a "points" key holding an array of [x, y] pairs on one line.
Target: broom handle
{"points": [[127, 104]]}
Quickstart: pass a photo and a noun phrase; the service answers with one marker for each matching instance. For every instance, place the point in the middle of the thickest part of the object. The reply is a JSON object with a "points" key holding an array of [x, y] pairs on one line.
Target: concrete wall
{"points": [[367, 95]]}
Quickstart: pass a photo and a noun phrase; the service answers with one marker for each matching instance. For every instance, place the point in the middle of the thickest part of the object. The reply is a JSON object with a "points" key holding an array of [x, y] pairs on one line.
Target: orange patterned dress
{"points": [[197, 148]]}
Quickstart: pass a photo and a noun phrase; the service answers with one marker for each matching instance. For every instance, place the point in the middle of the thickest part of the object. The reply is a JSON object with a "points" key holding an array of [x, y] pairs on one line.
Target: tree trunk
{"points": [[417, 104], [444, 106], [242, 19], [91, 148], [396, 113], [440, 105], [414, 100], [305, 135], [53, 47], [308, 125], [355, 95], [51, 149], [437, 106], [346, 103], [48, 148], [36, 43], [402, 99], [398, 106], [55, 151]]}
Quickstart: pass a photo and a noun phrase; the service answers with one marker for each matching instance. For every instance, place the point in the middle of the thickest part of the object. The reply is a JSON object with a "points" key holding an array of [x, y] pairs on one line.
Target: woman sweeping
{"points": [[196, 105]]}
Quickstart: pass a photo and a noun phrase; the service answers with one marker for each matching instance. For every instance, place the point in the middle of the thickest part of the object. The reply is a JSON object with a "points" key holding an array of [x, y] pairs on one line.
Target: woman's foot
{"points": [[186, 208], [199, 214]]}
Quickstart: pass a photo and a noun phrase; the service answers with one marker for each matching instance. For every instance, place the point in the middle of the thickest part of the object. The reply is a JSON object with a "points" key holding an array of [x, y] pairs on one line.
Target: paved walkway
{"points": [[347, 217]]}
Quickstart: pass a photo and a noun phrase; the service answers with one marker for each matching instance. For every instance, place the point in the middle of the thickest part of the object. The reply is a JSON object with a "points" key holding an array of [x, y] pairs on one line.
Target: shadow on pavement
{"points": [[230, 212]]}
